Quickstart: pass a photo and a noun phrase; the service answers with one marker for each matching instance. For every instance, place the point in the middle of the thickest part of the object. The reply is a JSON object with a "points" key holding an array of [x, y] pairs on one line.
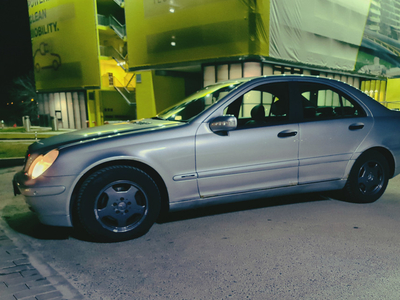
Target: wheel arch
{"points": [[142, 166], [389, 157]]}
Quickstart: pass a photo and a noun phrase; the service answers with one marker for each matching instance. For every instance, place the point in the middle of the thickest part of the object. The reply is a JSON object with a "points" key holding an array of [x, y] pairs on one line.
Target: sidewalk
{"points": [[27, 277]]}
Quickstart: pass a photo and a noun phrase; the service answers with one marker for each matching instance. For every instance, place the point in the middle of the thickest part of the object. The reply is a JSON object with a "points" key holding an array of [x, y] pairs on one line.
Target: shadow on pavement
{"points": [[28, 224], [239, 206]]}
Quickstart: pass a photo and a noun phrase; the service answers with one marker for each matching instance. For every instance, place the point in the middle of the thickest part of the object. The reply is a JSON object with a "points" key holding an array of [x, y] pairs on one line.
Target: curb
{"points": [[11, 162]]}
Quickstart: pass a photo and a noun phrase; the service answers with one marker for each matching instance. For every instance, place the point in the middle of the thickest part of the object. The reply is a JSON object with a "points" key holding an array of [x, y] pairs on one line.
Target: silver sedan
{"points": [[232, 141]]}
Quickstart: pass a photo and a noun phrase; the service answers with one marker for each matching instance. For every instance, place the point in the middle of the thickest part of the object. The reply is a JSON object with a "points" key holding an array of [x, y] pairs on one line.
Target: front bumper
{"points": [[48, 197], [15, 187]]}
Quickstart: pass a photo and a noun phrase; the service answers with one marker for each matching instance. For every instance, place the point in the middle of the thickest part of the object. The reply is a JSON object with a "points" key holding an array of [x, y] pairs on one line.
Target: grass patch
{"points": [[13, 129], [11, 149], [23, 135], [19, 133]]}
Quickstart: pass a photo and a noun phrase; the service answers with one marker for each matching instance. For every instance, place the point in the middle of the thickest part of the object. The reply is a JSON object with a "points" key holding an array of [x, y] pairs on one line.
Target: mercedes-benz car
{"points": [[232, 141]]}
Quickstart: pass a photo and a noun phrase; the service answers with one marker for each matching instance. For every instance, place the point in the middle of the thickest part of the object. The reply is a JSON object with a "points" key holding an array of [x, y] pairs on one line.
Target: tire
{"points": [[368, 178], [118, 203]]}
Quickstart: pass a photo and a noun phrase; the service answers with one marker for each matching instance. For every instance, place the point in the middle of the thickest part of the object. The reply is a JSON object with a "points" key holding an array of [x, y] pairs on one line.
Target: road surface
{"points": [[298, 247]]}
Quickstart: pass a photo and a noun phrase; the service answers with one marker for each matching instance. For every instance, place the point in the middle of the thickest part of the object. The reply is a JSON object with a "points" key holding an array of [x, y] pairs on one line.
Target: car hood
{"points": [[110, 130]]}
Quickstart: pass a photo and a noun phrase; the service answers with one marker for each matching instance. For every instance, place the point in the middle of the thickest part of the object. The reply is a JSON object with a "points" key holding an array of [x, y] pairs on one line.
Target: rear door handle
{"points": [[356, 126], [287, 133]]}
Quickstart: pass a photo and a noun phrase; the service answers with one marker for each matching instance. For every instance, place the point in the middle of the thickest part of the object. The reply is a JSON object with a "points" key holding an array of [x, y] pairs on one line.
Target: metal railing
{"points": [[129, 96], [119, 29], [103, 20], [113, 23], [111, 52], [120, 2], [121, 64]]}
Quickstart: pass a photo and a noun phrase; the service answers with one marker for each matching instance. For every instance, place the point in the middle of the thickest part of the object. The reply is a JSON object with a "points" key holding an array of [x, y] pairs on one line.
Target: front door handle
{"points": [[287, 133], [356, 126]]}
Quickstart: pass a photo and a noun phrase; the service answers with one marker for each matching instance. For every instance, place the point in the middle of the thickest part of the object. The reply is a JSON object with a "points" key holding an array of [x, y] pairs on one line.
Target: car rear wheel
{"points": [[118, 203], [368, 178]]}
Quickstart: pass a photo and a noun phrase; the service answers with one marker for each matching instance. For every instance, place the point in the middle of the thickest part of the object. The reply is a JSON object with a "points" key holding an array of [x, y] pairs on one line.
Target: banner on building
{"points": [[169, 32], [64, 43], [355, 36]]}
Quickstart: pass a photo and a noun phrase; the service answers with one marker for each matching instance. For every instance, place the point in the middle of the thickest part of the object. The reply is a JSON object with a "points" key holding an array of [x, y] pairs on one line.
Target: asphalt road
{"points": [[302, 247]]}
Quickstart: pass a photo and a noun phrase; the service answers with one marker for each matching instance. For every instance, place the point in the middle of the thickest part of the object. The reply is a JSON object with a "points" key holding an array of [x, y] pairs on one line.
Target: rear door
{"points": [[333, 127]]}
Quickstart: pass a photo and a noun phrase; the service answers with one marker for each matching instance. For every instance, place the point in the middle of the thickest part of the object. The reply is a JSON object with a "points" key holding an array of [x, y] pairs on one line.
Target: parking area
{"points": [[297, 247]]}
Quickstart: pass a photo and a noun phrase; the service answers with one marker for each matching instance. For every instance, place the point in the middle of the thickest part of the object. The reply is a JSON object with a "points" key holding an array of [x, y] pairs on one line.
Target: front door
{"points": [[261, 153]]}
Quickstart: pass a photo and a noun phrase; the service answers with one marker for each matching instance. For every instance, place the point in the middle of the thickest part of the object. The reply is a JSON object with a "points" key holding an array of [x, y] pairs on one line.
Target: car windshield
{"points": [[192, 106]]}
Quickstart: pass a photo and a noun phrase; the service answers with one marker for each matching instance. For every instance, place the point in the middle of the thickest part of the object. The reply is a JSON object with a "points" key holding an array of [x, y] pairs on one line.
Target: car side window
{"points": [[261, 106], [320, 102]]}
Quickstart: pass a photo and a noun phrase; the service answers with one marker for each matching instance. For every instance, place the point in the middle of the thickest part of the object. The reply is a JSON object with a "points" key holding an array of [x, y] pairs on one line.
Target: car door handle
{"points": [[356, 126], [287, 133]]}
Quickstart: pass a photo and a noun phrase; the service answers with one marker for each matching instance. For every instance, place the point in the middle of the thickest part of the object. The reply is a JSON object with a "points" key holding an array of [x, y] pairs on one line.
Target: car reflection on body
{"points": [[232, 141]]}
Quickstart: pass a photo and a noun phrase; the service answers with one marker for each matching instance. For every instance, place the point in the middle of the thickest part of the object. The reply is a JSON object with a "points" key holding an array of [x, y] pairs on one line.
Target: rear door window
{"points": [[321, 102]]}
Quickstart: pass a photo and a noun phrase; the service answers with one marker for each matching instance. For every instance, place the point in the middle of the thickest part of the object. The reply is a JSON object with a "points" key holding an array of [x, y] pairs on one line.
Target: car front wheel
{"points": [[368, 178], [118, 203]]}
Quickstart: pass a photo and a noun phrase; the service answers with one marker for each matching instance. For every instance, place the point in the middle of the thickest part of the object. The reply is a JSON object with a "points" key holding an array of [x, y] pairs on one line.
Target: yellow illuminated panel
{"points": [[166, 32], [64, 43], [382, 92], [392, 94]]}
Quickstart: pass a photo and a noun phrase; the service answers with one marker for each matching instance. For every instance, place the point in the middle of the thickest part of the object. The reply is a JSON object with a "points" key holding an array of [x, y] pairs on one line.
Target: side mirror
{"points": [[223, 123]]}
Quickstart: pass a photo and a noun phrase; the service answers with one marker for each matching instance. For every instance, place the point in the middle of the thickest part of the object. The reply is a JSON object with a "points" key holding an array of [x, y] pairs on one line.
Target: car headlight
{"points": [[42, 163]]}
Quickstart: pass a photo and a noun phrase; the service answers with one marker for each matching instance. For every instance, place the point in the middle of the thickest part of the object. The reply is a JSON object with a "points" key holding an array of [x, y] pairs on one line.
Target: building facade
{"points": [[99, 61]]}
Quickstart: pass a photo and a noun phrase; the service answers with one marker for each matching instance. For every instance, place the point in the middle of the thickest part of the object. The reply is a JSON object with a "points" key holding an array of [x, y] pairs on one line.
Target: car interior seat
{"points": [[257, 115]]}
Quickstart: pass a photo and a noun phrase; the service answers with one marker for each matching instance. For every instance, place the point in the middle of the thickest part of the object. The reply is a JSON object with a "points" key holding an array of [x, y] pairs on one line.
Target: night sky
{"points": [[15, 44]]}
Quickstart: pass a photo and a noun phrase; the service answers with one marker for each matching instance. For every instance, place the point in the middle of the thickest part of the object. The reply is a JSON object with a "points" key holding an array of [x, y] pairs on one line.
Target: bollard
{"points": [[27, 123], [54, 123]]}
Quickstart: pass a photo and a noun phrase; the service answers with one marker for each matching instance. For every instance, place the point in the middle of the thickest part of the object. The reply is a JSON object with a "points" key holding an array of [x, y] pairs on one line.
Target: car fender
{"points": [[385, 139], [162, 160]]}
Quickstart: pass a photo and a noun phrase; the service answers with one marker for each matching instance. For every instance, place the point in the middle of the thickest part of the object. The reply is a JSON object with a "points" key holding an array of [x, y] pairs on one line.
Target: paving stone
{"points": [[8, 248], [8, 297], [6, 264], [4, 253], [11, 290], [6, 243], [48, 296], [16, 254], [14, 251], [15, 269], [9, 276], [38, 282], [21, 261], [21, 279], [28, 273], [8, 257], [34, 291]]}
